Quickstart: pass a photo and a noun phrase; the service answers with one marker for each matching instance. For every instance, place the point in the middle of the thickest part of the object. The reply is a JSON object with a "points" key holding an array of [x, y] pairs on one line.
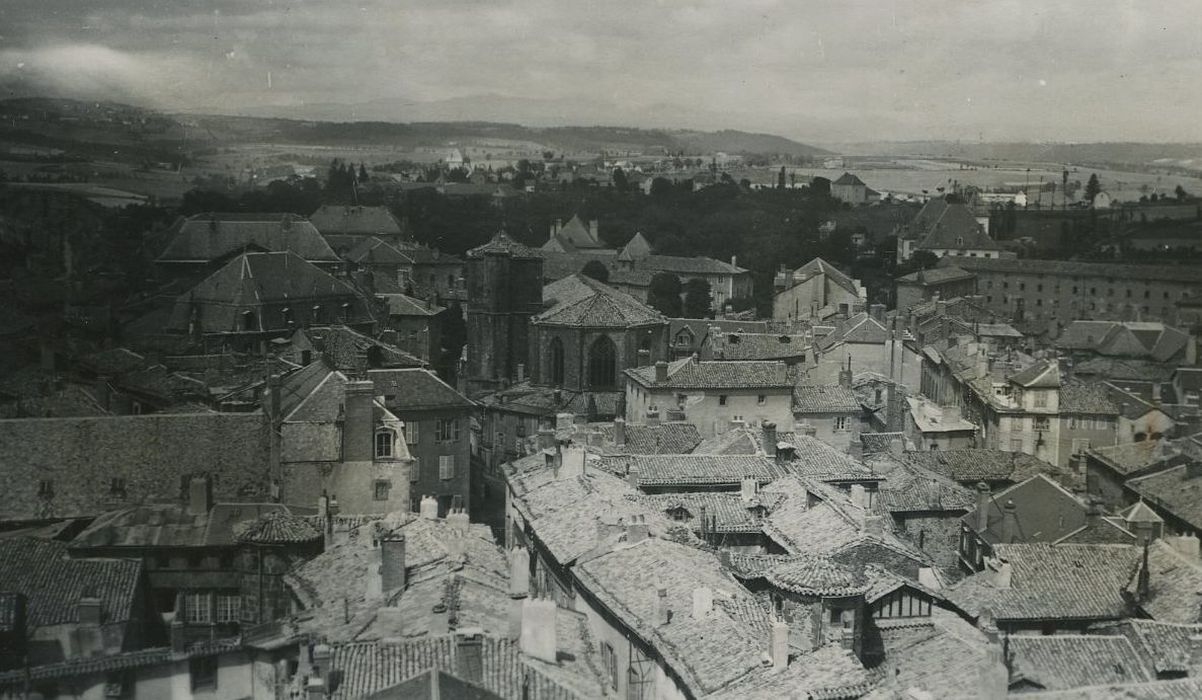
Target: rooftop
{"points": [[1079, 269], [357, 220], [416, 390], [1044, 512], [693, 469], [692, 374], [824, 398], [1174, 490], [53, 583], [581, 301], [208, 237], [972, 465]]}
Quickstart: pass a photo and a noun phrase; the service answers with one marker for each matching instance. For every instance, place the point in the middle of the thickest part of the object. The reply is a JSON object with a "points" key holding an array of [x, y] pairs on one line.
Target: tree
{"points": [[1181, 193], [820, 186], [1093, 187], [780, 178], [924, 260], [664, 294], [596, 269], [698, 298], [363, 173], [620, 181], [660, 187]]}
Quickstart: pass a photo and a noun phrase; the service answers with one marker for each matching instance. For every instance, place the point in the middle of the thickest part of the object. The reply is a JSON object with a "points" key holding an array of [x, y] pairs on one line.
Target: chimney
{"points": [[661, 372], [538, 629], [652, 415], [779, 645], [874, 525], [769, 432], [564, 421], [859, 496], [323, 656], [1000, 572], [897, 447], [1186, 546], [644, 357], [845, 374], [573, 462], [546, 438], [519, 572], [847, 637], [785, 452], [620, 432], [358, 423], [200, 495], [392, 563], [179, 636], [750, 489], [89, 609], [459, 522], [1009, 522], [440, 622], [636, 530], [315, 689], [429, 508], [809, 429], [516, 602], [663, 613], [103, 392], [983, 499], [632, 476], [703, 602]]}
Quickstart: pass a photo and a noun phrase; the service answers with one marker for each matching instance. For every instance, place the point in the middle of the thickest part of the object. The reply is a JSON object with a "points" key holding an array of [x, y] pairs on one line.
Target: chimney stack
{"points": [[859, 496], [809, 429], [358, 426], [983, 499], [874, 525], [200, 495], [652, 415], [661, 372], [632, 476], [663, 614], [392, 563], [1000, 572], [323, 655], [636, 530], [538, 629], [750, 489], [769, 431], [429, 508], [620, 432], [440, 622], [779, 645], [459, 522], [1009, 522], [845, 374]]}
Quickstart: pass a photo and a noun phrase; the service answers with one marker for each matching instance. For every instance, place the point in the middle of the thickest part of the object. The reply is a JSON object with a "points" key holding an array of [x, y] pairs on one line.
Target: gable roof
{"points": [[581, 301], [860, 328], [677, 470], [207, 237], [824, 398], [1041, 375], [405, 305], [956, 228], [577, 234], [833, 274], [637, 247], [347, 348], [848, 179], [373, 251], [741, 374], [1065, 661], [1173, 490], [416, 389], [333, 219], [973, 465], [1044, 512], [503, 244]]}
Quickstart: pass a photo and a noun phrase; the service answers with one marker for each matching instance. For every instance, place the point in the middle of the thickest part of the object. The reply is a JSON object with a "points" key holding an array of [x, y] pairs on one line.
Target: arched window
{"points": [[602, 364], [556, 362]]}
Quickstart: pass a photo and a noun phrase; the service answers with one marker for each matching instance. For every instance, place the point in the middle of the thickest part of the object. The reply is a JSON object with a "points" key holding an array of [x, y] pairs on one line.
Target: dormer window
{"points": [[45, 489], [384, 440], [679, 513]]}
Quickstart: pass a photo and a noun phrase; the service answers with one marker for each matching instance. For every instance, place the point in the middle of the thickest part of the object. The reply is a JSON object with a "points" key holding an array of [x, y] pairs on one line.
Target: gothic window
{"points": [[556, 362], [602, 364]]}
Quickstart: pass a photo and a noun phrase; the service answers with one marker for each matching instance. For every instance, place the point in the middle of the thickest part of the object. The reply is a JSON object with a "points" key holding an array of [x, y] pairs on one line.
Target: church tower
{"points": [[504, 290]]}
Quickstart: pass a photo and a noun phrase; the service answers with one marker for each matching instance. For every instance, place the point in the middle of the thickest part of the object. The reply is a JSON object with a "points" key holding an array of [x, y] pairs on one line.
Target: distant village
{"points": [[321, 459]]}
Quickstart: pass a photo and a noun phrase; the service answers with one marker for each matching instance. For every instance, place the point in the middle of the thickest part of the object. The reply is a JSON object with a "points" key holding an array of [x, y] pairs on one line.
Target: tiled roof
{"points": [[1041, 375], [1120, 369], [756, 346], [1173, 490], [170, 525], [860, 328], [152, 454], [53, 583], [1132, 457], [276, 527], [1079, 269], [1167, 645], [206, 237], [665, 438], [733, 514], [1152, 340], [16, 681], [833, 274], [956, 228], [1086, 399], [1064, 661], [1183, 689], [828, 673], [814, 459], [373, 251], [416, 390], [1053, 582], [681, 470], [938, 275], [941, 658], [816, 576], [1174, 582], [581, 301], [709, 652], [972, 465], [332, 219], [824, 398], [402, 305], [348, 349], [913, 489], [690, 374], [848, 179], [699, 330], [737, 441]]}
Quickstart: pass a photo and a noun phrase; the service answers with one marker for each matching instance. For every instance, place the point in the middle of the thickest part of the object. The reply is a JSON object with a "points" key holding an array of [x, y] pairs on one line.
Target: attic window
{"points": [[117, 487], [45, 489], [384, 440], [679, 514]]}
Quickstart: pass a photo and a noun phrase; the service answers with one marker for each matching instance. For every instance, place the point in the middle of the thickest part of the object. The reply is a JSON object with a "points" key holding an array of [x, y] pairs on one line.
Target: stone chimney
{"points": [[999, 571], [519, 572], [845, 374], [564, 421], [392, 563], [644, 357], [750, 488], [768, 428], [652, 415], [984, 497], [620, 432], [428, 508], [440, 622], [661, 372], [778, 646], [572, 461], [703, 602], [358, 424], [859, 496], [663, 612], [323, 656], [636, 530], [538, 629], [200, 495], [458, 522], [1009, 522], [632, 476]]}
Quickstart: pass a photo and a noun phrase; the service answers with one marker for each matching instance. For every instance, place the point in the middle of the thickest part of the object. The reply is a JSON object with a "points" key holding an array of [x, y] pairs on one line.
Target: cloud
{"points": [[99, 72]]}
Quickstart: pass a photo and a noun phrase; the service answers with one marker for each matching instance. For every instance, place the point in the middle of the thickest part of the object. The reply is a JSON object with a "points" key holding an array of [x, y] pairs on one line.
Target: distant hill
{"points": [[1118, 153], [729, 141]]}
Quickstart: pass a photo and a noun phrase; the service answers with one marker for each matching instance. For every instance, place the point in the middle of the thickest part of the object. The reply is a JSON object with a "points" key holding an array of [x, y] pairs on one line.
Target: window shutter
{"points": [[446, 466]]}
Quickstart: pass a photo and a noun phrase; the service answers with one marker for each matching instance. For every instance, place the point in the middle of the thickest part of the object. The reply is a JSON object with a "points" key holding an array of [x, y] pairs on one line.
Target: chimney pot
{"points": [[983, 498], [661, 372], [519, 572], [636, 530], [1009, 522], [429, 508], [769, 430]]}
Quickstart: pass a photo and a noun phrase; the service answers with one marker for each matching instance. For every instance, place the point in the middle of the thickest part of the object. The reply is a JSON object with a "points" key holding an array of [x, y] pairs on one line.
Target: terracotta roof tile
{"points": [[53, 583]]}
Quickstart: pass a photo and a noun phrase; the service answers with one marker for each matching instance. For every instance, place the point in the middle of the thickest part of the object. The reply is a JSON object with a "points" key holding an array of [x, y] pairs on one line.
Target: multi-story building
{"points": [[947, 229], [816, 291], [939, 283], [1046, 292]]}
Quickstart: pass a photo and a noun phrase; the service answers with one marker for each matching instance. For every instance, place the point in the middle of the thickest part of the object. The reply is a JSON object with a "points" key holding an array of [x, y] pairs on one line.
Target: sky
{"points": [[819, 71]]}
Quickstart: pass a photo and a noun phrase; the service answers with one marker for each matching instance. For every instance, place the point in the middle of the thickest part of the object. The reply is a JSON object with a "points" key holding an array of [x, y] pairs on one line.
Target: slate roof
{"points": [[403, 305], [577, 234], [1065, 661], [681, 470], [970, 466], [207, 237], [53, 583], [1153, 340], [1132, 457], [333, 219], [1079, 269], [266, 283], [848, 179], [708, 653], [1041, 375], [582, 302], [814, 459], [502, 244], [347, 348], [152, 454], [1054, 582], [276, 527], [824, 398], [1044, 511], [1174, 582], [860, 328], [1088, 399], [691, 374], [956, 228], [416, 390], [833, 274], [935, 276], [373, 251], [1174, 491]]}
